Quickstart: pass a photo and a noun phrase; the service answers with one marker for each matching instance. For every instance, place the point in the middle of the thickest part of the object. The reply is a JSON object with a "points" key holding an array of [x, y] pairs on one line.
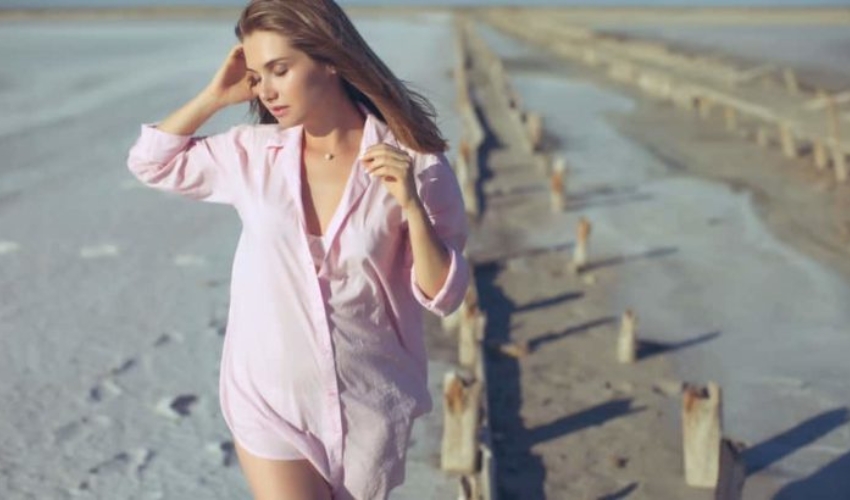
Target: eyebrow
{"points": [[270, 63]]}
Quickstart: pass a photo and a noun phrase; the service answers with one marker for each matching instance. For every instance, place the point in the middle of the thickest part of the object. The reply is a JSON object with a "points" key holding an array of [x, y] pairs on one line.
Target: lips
{"points": [[278, 110]]}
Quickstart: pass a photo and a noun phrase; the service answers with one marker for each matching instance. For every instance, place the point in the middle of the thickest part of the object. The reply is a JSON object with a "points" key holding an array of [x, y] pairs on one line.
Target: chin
{"points": [[289, 121]]}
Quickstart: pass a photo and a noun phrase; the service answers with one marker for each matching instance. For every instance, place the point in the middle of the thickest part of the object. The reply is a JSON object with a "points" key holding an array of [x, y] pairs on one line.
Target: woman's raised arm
{"points": [[167, 157]]}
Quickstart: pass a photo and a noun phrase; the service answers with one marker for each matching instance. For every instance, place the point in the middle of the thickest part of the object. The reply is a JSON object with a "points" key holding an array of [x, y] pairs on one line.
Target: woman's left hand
{"points": [[395, 169]]}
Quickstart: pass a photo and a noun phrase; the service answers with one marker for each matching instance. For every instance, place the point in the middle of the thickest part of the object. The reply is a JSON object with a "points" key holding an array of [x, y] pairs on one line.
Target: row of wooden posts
{"points": [[793, 128], [710, 461], [466, 448]]}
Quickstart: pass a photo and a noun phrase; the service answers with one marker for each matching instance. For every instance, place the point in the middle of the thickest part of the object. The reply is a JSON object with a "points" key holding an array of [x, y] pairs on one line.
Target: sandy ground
{"points": [[113, 297], [731, 281]]}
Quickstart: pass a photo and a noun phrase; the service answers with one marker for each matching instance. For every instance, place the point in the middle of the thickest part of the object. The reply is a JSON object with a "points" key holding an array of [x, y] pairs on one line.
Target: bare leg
{"points": [[282, 479]]}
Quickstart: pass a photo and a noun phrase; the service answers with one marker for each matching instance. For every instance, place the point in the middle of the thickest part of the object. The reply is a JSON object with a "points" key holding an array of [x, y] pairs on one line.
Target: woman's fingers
{"points": [[386, 151], [388, 171]]}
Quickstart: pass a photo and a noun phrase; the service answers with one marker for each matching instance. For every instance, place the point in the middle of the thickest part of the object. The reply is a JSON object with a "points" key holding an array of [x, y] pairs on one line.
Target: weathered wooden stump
{"points": [[556, 190], [821, 154], [580, 251], [702, 430], [839, 160], [627, 343], [471, 333], [789, 143], [534, 129], [459, 449]]}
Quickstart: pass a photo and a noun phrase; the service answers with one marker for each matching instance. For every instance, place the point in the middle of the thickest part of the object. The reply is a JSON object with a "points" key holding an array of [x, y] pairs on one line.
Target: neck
{"points": [[335, 127]]}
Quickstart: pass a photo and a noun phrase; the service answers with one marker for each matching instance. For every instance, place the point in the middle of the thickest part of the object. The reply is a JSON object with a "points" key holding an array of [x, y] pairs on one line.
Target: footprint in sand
{"points": [[98, 252], [103, 389], [122, 463], [177, 407], [226, 450], [7, 247], [168, 338], [108, 386]]}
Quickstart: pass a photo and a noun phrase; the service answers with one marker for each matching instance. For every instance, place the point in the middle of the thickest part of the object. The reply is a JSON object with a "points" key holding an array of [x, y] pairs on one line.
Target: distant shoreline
{"points": [[699, 15]]}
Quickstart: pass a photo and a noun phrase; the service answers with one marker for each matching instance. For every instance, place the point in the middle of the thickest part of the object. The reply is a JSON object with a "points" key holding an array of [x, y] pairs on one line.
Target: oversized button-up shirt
{"points": [[332, 360]]}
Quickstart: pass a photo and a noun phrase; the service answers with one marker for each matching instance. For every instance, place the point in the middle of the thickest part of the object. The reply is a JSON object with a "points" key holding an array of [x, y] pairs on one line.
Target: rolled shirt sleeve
{"points": [[199, 168], [440, 193]]}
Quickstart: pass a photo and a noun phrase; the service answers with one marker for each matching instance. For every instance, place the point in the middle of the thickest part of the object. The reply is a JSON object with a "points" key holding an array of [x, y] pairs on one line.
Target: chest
{"points": [[323, 185]]}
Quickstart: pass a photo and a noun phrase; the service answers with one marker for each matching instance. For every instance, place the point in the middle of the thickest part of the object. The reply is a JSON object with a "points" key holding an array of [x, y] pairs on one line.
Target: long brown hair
{"points": [[322, 30]]}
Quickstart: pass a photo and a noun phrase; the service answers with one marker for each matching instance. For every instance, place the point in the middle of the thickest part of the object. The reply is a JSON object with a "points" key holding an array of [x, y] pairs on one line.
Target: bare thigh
{"points": [[282, 479]]}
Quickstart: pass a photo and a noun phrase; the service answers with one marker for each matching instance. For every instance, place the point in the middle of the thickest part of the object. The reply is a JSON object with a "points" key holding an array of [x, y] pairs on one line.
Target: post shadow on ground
{"points": [[551, 301], [574, 206], [520, 474], [763, 455], [591, 417], [538, 342], [622, 259], [832, 482], [620, 494], [649, 348]]}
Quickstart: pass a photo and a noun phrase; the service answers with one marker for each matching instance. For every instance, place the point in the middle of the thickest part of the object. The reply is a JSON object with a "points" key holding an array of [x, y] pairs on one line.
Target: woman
{"points": [[352, 221]]}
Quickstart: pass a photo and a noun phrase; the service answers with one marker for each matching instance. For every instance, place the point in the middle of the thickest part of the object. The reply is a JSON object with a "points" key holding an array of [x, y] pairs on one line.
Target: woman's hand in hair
{"points": [[394, 167], [230, 83]]}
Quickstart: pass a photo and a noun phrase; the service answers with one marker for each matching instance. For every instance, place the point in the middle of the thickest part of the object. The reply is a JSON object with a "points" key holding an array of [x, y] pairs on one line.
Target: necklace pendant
{"points": [[329, 156]]}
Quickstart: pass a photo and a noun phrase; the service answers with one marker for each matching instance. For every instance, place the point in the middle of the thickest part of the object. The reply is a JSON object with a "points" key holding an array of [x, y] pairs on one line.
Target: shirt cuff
{"points": [[159, 146], [450, 296]]}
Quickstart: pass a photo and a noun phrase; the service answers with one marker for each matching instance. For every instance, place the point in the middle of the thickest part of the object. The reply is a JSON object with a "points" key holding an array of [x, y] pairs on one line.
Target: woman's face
{"points": [[287, 81]]}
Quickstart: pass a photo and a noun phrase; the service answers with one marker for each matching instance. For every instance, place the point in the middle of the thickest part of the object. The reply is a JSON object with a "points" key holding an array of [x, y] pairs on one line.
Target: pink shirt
{"points": [[331, 362]]}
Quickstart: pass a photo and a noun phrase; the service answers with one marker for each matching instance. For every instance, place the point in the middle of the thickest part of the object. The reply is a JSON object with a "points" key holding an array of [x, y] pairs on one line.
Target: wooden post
{"points": [[460, 430], [791, 81], [821, 154], [488, 473], [733, 472], [513, 98], [534, 127], [627, 343], [467, 186], [581, 249], [556, 189], [471, 332], [731, 119], [702, 430], [839, 161], [789, 144]]}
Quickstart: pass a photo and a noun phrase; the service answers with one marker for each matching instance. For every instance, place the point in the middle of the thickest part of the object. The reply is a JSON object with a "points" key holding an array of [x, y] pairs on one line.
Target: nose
{"points": [[267, 92]]}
